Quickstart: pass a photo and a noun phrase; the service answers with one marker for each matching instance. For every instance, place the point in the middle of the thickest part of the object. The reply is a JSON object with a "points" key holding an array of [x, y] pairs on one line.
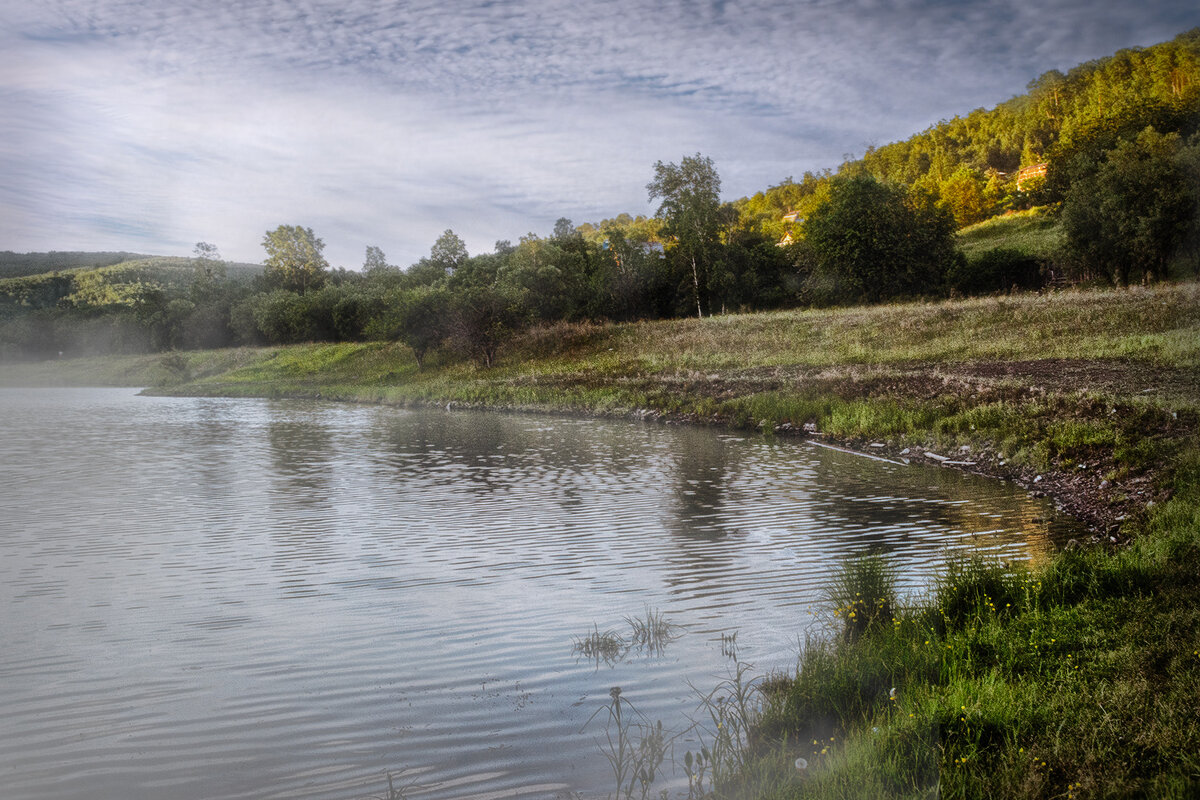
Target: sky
{"points": [[150, 125]]}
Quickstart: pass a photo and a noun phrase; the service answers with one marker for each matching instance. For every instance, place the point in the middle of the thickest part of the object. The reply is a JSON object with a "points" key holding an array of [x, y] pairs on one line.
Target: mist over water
{"points": [[210, 598]]}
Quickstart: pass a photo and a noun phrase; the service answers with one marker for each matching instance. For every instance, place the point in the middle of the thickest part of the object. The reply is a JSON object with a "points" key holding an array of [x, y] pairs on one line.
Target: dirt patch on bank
{"points": [[1118, 377], [1003, 379]]}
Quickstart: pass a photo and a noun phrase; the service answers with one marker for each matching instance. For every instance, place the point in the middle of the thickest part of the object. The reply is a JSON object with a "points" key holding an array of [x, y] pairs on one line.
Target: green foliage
{"points": [[995, 270], [691, 208], [485, 318], [1034, 232], [548, 277], [419, 317], [870, 243], [863, 595], [1127, 215], [294, 262], [1110, 98], [375, 260], [963, 195], [630, 279], [17, 265]]}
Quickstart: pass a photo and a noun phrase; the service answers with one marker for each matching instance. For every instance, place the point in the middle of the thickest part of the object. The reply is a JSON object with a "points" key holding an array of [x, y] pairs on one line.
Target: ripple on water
{"points": [[236, 599]]}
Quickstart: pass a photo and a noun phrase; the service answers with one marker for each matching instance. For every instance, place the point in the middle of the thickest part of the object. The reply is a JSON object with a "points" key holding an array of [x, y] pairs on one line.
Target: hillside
{"points": [[120, 283], [17, 265], [1034, 232], [971, 165]]}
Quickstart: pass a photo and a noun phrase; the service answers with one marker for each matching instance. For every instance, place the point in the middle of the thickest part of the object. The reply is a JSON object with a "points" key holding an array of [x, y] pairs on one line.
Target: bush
{"points": [[871, 243], [996, 270]]}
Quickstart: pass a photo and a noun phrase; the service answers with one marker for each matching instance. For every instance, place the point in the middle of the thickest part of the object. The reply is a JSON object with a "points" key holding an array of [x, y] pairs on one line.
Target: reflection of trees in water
{"points": [[702, 465], [216, 444], [303, 509], [302, 459], [889, 507], [803, 510], [488, 454], [705, 552]]}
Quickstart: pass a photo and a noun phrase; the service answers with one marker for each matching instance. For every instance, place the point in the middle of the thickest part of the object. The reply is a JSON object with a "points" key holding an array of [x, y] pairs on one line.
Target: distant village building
{"points": [[1027, 175], [791, 218]]}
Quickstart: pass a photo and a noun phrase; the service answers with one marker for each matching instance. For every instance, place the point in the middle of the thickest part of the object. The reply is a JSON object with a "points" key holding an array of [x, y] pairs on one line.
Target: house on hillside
{"points": [[791, 218], [1027, 175]]}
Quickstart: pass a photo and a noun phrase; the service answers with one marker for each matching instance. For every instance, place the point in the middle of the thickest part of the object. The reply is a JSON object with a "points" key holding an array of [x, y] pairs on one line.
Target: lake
{"points": [[217, 598]]}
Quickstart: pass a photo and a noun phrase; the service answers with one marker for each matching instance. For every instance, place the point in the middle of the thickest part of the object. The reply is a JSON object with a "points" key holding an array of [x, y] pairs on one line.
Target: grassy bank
{"points": [[1081, 679]]}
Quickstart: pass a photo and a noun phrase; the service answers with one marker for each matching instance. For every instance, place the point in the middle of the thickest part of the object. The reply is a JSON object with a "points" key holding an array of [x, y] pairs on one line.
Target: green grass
{"points": [[1077, 679], [1032, 232]]}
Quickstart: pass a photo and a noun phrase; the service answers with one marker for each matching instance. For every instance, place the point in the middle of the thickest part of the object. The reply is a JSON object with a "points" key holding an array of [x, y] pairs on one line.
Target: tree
{"points": [[422, 320], [449, 251], [962, 194], [564, 230], [630, 280], [486, 318], [205, 251], [447, 255], [871, 243], [375, 259], [1133, 210], [548, 275], [209, 265], [294, 261], [691, 206]]}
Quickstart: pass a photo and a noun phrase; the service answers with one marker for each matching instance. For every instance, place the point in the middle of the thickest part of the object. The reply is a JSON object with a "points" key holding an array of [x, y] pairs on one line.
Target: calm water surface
{"points": [[208, 598]]}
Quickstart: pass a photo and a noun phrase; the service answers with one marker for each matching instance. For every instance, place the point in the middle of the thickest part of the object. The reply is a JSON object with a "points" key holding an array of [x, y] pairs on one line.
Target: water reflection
{"points": [[233, 599], [301, 455], [702, 466]]}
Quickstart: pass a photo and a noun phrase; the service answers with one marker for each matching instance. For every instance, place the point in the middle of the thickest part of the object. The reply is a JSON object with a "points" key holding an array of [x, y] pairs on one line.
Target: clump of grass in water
{"points": [[729, 645], [635, 750], [653, 633], [650, 634], [401, 793], [607, 646], [863, 594]]}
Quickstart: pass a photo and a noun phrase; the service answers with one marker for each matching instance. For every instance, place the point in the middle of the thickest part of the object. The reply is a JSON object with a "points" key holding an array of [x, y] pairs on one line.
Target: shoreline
{"points": [[1101, 506]]}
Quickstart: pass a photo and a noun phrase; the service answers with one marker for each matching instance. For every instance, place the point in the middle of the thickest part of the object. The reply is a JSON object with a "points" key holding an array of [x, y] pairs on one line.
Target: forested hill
{"points": [[18, 265], [972, 165]]}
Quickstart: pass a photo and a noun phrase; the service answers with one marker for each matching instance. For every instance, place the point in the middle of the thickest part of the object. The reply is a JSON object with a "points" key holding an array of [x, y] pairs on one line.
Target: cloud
{"points": [[151, 124]]}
